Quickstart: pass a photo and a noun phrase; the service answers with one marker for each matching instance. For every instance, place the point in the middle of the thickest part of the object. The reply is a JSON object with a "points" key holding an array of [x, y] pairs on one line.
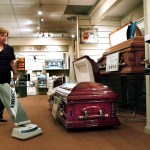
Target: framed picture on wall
{"points": [[88, 35]]}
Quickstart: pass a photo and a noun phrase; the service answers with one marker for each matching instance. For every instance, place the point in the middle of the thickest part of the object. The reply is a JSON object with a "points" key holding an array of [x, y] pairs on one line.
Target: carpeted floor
{"points": [[129, 136]]}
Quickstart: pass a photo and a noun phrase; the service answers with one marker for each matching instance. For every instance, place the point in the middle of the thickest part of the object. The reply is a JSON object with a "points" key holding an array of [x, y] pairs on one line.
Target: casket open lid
{"points": [[124, 33], [86, 70]]}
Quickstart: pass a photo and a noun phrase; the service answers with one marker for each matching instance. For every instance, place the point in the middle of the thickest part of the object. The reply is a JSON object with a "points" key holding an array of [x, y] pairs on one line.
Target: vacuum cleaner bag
{"points": [[9, 99]]}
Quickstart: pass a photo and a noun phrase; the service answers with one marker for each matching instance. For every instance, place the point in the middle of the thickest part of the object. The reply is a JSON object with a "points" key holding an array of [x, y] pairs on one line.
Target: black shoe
{"points": [[3, 120]]}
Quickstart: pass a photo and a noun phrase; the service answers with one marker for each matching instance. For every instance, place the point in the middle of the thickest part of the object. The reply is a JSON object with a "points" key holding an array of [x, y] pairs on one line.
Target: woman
{"points": [[7, 64]]}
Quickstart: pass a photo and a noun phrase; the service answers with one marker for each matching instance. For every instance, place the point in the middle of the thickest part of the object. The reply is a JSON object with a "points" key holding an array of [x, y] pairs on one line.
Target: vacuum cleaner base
{"points": [[26, 132]]}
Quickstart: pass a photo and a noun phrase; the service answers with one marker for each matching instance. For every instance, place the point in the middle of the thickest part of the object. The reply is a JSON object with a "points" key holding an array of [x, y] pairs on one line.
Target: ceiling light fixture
{"points": [[40, 10], [73, 36]]}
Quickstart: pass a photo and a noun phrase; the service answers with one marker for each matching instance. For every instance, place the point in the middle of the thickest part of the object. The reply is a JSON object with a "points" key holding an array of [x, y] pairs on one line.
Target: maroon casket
{"points": [[131, 57], [85, 104], [126, 55]]}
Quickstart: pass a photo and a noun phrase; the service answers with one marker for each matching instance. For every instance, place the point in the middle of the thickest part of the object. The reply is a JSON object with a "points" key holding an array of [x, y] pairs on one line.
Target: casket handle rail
{"points": [[121, 62], [143, 60], [86, 113]]}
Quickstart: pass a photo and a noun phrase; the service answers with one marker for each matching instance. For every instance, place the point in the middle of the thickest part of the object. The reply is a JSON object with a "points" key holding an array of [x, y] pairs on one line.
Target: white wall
{"points": [[105, 27]]}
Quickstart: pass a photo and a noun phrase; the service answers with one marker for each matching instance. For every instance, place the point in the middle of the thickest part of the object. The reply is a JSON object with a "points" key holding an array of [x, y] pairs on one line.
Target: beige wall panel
{"points": [[104, 41], [103, 34], [92, 52]]}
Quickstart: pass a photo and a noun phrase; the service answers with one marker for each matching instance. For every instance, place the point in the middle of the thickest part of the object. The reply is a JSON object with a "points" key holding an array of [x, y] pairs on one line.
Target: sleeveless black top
{"points": [[6, 55]]}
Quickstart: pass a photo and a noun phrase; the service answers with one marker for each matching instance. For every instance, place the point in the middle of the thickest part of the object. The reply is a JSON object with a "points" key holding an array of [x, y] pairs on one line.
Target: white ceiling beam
{"points": [[101, 10]]}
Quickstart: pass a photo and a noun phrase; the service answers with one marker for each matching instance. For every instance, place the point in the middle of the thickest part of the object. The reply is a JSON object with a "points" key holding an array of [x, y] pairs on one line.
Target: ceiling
{"points": [[21, 19], [123, 7]]}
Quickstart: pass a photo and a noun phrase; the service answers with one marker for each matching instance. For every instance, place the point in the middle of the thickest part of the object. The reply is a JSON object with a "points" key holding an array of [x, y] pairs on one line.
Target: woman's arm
{"points": [[13, 66]]}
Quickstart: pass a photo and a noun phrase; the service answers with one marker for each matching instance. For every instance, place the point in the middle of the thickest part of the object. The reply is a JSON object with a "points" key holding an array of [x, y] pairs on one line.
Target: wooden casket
{"points": [[85, 103], [126, 57]]}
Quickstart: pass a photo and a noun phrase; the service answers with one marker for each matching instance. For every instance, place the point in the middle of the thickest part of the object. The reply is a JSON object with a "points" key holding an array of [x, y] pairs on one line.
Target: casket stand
{"points": [[131, 64]]}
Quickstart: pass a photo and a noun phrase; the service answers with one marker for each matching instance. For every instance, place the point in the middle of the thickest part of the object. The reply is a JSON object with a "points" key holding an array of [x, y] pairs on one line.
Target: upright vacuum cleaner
{"points": [[24, 128]]}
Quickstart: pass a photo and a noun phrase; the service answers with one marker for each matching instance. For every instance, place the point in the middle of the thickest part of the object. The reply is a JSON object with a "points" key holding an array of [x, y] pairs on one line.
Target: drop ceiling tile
{"points": [[82, 2], [6, 9], [4, 2], [22, 2], [7, 24], [53, 9], [28, 18], [14, 32], [28, 24], [78, 9], [25, 9], [58, 2], [7, 17], [52, 17]]}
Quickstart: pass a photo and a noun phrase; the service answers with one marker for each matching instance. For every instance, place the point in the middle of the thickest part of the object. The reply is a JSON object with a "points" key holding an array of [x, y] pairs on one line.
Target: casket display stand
{"points": [[128, 56]]}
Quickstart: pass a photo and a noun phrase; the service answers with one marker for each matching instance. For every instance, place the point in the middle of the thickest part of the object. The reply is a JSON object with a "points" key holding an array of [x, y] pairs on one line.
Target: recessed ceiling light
{"points": [[39, 12]]}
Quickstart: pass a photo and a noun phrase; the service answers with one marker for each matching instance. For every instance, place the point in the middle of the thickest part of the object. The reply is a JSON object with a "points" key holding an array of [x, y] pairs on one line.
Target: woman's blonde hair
{"points": [[2, 31]]}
